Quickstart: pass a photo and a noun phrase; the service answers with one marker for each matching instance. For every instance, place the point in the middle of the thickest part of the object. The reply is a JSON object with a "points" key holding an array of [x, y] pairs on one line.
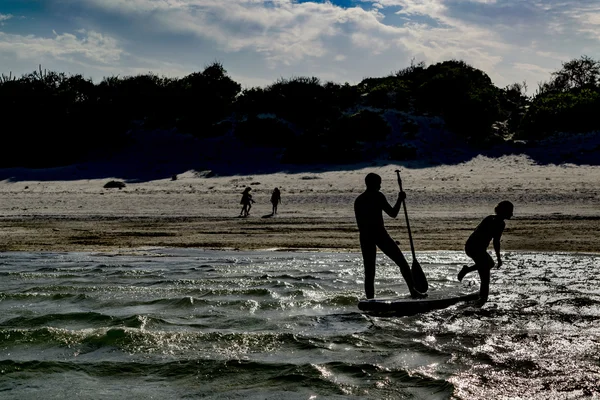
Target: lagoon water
{"points": [[173, 324]]}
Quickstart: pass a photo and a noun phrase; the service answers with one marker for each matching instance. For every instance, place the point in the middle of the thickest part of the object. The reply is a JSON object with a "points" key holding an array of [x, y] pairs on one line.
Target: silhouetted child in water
{"points": [[246, 202], [368, 209], [490, 229], [275, 200]]}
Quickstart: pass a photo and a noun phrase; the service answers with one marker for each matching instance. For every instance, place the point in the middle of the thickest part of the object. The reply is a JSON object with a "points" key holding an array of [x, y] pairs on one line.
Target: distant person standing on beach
{"points": [[275, 200], [368, 208], [246, 202], [490, 229]]}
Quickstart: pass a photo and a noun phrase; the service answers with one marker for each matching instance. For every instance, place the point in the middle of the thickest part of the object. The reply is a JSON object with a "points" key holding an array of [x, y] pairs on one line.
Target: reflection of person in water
{"points": [[490, 229], [275, 200], [368, 208], [246, 202]]}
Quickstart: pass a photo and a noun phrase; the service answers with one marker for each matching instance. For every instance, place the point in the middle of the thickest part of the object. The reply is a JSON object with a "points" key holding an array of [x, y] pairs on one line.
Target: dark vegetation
{"points": [[51, 118]]}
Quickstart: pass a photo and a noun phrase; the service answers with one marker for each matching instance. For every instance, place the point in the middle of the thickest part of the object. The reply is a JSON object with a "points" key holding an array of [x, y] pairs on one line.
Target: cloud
{"points": [[4, 17], [260, 40], [91, 47], [283, 32], [286, 33], [497, 35], [533, 68], [586, 19]]}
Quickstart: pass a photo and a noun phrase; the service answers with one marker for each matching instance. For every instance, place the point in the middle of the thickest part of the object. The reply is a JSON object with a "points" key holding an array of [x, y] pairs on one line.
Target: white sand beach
{"points": [[557, 207]]}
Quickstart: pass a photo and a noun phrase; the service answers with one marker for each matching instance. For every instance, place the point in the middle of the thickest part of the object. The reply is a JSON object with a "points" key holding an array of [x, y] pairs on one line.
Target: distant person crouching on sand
{"points": [[368, 208], [490, 229], [246, 202], [275, 200]]}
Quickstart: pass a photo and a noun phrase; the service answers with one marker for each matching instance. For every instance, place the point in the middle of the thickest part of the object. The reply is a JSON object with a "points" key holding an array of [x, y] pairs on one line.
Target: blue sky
{"points": [[259, 41]]}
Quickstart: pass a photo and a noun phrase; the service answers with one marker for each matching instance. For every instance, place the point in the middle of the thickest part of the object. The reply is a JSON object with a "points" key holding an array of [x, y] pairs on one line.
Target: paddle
{"points": [[419, 278]]}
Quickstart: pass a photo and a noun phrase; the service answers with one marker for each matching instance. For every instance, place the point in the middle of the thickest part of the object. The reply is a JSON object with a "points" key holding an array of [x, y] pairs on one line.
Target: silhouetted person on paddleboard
{"points": [[490, 229], [368, 209]]}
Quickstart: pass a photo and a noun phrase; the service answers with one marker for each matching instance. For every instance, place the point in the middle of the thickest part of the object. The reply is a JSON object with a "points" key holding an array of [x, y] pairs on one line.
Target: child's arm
{"points": [[497, 250], [497, 236]]}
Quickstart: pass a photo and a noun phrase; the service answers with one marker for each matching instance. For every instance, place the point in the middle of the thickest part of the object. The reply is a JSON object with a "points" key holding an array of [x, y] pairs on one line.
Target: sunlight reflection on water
{"points": [[268, 324]]}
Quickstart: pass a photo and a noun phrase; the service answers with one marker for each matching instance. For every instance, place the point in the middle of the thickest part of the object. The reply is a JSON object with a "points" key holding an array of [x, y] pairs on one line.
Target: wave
{"points": [[92, 318], [254, 379], [265, 328], [137, 335], [291, 277], [75, 297]]}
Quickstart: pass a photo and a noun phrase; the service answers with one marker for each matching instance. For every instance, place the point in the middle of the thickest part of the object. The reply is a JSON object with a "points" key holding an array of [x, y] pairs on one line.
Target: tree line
{"points": [[51, 118]]}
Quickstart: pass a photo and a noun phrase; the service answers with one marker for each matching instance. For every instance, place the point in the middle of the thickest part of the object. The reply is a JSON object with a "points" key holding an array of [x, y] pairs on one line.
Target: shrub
{"points": [[319, 149], [114, 185], [463, 95], [573, 111], [403, 152], [410, 129], [264, 131], [365, 126]]}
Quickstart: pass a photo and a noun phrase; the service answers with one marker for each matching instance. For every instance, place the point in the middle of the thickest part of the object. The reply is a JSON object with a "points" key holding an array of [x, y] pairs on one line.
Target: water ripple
{"points": [[191, 323]]}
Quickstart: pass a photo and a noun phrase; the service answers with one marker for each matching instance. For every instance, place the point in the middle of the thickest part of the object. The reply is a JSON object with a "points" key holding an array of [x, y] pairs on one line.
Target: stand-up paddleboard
{"points": [[405, 306]]}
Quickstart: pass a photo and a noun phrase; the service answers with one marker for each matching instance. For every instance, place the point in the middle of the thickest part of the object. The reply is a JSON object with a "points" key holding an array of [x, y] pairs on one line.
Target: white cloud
{"points": [[261, 40], [4, 17], [586, 20], [283, 32], [431, 8], [286, 33], [87, 47], [533, 68]]}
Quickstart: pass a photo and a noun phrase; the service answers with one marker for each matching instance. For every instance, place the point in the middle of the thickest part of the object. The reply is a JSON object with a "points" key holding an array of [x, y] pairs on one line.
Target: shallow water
{"points": [[269, 325]]}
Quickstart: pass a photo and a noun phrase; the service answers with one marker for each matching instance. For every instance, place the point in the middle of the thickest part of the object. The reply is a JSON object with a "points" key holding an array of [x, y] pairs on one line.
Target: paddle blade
{"points": [[419, 277]]}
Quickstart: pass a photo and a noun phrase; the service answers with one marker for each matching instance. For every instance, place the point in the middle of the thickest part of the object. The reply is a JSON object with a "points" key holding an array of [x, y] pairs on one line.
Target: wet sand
{"points": [[74, 234], [442, 230]]}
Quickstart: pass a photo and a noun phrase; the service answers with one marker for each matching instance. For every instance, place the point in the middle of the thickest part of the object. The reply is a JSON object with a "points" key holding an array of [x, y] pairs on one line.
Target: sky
{"points": [[259, 42]]}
